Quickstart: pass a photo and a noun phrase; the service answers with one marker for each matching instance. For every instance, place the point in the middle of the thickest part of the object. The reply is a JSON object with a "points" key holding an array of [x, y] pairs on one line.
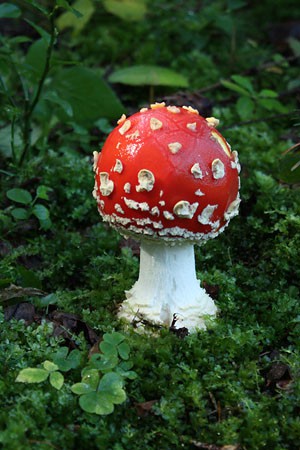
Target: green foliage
{"points": [[31, 207], [148, 75], [129, 10], [50, 92], [251, 102], [97, 394], [236, 384]]}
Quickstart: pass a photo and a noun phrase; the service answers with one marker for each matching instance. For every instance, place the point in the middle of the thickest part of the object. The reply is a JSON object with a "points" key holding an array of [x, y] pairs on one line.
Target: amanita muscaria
{"points": [[167, 177]]}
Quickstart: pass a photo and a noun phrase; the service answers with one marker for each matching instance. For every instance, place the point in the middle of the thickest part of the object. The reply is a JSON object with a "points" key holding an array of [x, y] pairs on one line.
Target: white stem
{"points": [[167, 285]]}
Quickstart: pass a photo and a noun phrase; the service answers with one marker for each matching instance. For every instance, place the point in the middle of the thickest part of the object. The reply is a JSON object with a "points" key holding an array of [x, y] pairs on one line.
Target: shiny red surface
{"points": [[172, 172]]}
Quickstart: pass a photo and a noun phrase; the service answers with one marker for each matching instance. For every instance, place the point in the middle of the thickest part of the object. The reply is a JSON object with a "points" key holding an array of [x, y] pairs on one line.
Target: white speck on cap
{"points": [[125, 127], [133, 135], [174, 147], [192, 126], [96, 156], [196, 171], [184, 209], [146, 181], [127, 188], [155, 211], [212, 122], [168, 215], [155, 124], [173, 109], [233, 208], [191, 109], [106, 185], [118, 208], [206, 214], [132, 204], [122, 119], [218, 169], [157, 105], [118, 166]]}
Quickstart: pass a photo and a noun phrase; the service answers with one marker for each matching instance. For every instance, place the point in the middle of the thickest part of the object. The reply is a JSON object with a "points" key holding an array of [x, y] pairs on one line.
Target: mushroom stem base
{"points": [[167, 285]]}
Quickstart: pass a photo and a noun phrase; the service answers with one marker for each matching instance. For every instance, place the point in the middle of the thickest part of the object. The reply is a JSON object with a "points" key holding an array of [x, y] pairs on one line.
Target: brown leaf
{"points": [[278, 372], [95, 348], [66, 324], [212, 289], [14, 291], [205, 446], [144, 408], [24, 311], [180, 332]]}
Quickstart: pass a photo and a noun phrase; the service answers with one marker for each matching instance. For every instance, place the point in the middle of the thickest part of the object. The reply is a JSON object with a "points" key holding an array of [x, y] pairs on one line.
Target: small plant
{"points": [[250, 100], [102, 379], [31, 205]]}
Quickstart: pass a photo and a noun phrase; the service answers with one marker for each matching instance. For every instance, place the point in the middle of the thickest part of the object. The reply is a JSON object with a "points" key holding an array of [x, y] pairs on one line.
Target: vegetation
{"points": [[71, 374]]}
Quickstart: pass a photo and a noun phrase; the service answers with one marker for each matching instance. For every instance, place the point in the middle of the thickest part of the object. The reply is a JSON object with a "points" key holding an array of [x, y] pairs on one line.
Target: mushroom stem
{"points": [[167, 285]]}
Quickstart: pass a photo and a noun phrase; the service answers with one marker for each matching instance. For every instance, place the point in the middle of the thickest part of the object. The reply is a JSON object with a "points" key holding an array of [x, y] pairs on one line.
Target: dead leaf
{"points": [[144, 408], [21, 311], [14, 291], [205, 446], [212, 289], [278, 372], [180, 332], [66, 324]]}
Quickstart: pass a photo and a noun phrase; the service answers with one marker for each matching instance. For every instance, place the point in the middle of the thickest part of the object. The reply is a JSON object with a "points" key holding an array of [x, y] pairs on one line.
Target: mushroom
{"points": [[179, 186]]}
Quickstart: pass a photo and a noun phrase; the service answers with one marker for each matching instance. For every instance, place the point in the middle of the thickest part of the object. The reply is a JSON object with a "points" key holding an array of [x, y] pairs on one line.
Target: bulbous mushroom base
{"points": [[167, 286]]}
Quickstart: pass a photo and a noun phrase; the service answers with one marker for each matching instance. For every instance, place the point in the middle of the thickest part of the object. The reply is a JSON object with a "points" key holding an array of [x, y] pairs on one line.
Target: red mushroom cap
{"points": [[167, 173]]}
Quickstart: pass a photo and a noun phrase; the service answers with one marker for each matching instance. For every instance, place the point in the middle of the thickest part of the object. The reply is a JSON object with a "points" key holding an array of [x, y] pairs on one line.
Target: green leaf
{"points": [[245, 107], [45, 224], [235, 87], [294, 45], [111, 384], [96, 403], [272, 105], [82, 388], [148, 75], [244, 82], [108, 349], [19, 196], [53, 98], [114, 338], [20, 213], [9, 11], [32, 375], [130, 10], [65, 4], [69, 19], [42, 192], [37, 4], [40, 211], [88, 95], [105, 362], [67, 361], [90, 377], [43, 33], [289, 171], [50, 299], [28, 278], [268, 93], [124, 350], [56, 380], [50, 366], [35, 60]]}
